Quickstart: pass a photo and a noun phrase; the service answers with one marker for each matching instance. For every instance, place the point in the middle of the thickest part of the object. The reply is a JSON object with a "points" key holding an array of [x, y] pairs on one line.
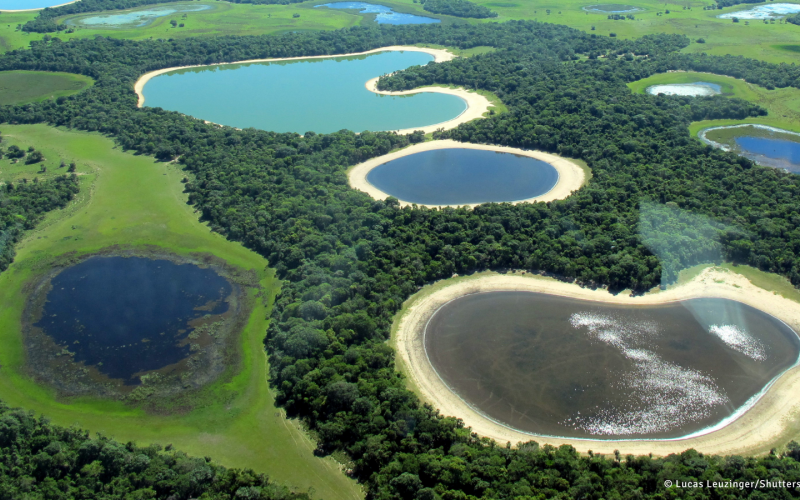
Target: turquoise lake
{"points": [[383, 14], [28, 4], [136, 18], [461, 176], [319, 95]]}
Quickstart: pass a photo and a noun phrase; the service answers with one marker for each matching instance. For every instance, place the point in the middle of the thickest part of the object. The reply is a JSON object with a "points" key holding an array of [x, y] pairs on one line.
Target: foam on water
{"points": [[773, 11], [662, 395], [739, 340]]}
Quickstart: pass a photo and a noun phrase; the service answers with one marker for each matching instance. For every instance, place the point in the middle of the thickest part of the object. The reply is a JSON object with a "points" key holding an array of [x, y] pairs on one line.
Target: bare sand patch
{"points": [[439, 55], [570, 176], [771, 422]]}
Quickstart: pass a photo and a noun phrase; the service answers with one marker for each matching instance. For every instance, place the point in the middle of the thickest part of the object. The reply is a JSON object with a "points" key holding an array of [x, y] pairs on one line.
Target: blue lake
{"points": [[463, 176], [385, 15], [777, 149], [320, 95], [130, 315], [135, 18], [29, 4]]}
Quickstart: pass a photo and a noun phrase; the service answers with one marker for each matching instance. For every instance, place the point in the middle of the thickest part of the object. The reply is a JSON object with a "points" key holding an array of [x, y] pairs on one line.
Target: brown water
{"points": [[565, 367]]}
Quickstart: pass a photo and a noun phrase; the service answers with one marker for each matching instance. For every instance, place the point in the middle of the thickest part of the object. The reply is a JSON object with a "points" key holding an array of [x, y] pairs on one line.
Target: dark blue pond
{"points": [[462, 177], [130, 315], [385, 15], [776, 149]]}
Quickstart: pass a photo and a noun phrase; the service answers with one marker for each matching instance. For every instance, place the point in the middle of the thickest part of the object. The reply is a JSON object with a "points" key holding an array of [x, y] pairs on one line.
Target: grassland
{"points": [[783, 105], [22, 87], [778, 42], [133, 201]]}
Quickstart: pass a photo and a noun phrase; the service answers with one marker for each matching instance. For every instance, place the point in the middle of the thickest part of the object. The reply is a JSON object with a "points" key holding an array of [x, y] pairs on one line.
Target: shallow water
{"points": [[771, 11], [612, 8], [768, 146], [463, 176], [320, 95], [29, 4], [136, 18], [130, 315], [566, 367], [385, 15], [686, 89]]}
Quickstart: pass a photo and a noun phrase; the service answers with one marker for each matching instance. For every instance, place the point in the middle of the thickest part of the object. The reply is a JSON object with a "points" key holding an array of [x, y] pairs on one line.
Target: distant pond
{"points": [[770, 11], [29, 4], [685, 89], [463, 177], [565, 367], [384, 15], [134, 18], [768, 146], [612, 8], [125, 319], [319, 95]]}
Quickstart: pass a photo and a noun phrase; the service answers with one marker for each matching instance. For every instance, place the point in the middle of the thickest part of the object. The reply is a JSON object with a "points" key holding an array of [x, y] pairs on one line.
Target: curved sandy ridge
{"points": [[476, 104], [771, 422], [570, 176]]}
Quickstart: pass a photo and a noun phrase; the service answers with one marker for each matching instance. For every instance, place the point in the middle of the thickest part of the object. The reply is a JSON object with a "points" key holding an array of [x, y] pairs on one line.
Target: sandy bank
{"points": [[771, 422], [570, 175], [438, 56], [40, 8], [477, 105]]}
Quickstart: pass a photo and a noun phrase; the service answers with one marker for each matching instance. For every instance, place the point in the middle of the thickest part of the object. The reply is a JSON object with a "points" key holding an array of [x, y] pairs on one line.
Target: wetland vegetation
{"points": [[22, 87]]}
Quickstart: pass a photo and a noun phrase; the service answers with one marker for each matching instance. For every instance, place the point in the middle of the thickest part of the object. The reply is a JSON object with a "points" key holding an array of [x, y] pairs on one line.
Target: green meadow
{"points": [[783, 105], [133, 201], [777, 42], [22, 87]]}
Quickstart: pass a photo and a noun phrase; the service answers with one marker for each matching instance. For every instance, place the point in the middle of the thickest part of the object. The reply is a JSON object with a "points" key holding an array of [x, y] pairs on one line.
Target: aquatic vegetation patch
{"points": [[383, 14], [136, 18], [612, 8], [765, 145]]}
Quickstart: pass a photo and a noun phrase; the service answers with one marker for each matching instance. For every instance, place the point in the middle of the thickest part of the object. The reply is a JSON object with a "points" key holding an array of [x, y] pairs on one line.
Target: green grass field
{"points": [[22, 87], [783, 105], [778, 42], [133, 201]]}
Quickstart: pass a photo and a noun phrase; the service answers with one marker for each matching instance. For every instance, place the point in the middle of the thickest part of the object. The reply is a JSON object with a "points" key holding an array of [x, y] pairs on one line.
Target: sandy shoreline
{"points": [[40, 8], [477, 105], [771, 422], [570, 175], [438, 56]]}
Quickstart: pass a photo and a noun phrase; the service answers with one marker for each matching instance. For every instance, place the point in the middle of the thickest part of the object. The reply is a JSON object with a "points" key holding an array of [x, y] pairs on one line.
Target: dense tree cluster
{"points": [[348, 262], [721, 4], [794, 19], [45, 21], [41, 460], [24, 204], [458, 8]]}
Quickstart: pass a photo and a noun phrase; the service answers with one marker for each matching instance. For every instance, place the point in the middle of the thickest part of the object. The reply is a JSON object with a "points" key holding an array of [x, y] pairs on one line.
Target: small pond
{"points": [[384, 15], [565, 367], [135, 18], [129, 316], [29, 4], [770, 11], [463, 177], [612, 8], [768, 146], [320, 95], [685, 89]]}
